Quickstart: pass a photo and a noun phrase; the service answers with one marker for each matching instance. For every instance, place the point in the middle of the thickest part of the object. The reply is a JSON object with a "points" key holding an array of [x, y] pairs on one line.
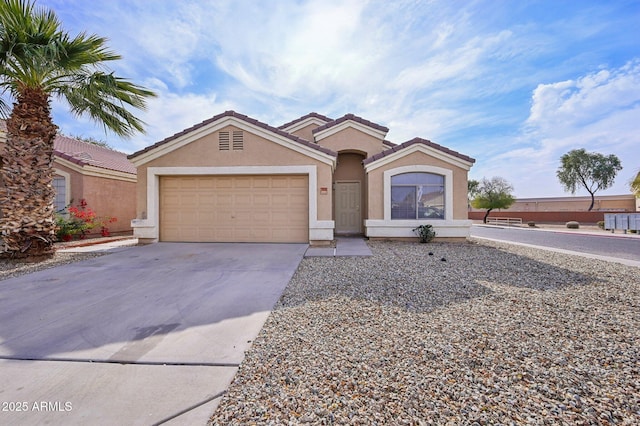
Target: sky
{"points": [[514, 84]]}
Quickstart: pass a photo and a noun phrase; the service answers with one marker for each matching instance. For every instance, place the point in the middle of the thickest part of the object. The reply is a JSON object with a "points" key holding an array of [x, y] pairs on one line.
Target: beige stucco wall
{"points": [[257, 151], [112, 198], [376, 184], [76, 183], [351, 139], [306, 132]]}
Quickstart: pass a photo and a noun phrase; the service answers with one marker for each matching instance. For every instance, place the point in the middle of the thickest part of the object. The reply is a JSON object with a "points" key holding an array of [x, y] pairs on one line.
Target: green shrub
{"points": [[79, 220], [600, 224], [531, 224], [67, 227], [573, 225], [425, 232]]}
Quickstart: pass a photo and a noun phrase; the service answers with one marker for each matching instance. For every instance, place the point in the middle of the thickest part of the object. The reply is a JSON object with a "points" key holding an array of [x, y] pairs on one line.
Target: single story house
{"points": [[232, 178], [103, 177]]}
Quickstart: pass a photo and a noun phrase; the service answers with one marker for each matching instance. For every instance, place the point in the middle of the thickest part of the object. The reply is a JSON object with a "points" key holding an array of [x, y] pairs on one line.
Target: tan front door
{"points": [[348, 214], [234, 209]]}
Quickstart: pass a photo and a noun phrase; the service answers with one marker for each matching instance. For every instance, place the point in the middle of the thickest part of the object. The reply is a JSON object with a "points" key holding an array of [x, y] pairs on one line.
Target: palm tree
{"points": [[39, 61]]}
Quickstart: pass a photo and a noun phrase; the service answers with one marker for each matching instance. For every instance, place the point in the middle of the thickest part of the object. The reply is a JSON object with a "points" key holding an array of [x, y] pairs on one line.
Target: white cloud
{"points": [[599, 111], [571, 103], [459, 73]]}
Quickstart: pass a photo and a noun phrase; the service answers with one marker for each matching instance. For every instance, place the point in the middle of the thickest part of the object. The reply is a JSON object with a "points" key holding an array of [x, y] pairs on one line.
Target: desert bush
{"points": [[573, 225], [425, 232], [79, 220]]}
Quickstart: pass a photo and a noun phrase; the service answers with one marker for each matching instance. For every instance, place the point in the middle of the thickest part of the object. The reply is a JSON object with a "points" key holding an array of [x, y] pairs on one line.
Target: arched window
{"points": [[417, 196]]}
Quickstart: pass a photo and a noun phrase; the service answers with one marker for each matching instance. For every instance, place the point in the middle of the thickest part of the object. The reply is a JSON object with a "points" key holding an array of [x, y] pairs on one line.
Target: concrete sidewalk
{"points": [[345, 247], [98, 245], [560, 229]]}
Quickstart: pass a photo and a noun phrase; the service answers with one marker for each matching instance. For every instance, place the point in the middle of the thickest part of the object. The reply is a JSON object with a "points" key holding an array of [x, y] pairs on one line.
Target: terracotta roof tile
{"points": [[88, 154], [304, 117], [239, 117], [351, 117], [414, 142]]}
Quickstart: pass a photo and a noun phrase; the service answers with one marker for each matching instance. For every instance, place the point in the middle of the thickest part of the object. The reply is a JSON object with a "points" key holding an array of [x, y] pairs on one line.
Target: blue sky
{"points": [[513, 84]]}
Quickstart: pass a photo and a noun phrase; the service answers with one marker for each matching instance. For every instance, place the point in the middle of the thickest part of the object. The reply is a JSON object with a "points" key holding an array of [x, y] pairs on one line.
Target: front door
{"points": [[348, 215]]}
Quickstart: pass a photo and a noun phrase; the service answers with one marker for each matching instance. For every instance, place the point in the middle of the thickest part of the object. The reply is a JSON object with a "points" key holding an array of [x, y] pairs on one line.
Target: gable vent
{"points": [[238, 140], [223, 141]]}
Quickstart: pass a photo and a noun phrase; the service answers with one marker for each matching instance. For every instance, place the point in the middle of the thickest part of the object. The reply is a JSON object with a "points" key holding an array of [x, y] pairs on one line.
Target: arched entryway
{"points": [[349, 203]]}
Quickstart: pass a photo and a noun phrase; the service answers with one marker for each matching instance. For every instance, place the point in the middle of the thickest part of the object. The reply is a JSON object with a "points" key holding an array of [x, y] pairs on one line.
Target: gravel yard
{"points": [[496, 334], [10, 268]]}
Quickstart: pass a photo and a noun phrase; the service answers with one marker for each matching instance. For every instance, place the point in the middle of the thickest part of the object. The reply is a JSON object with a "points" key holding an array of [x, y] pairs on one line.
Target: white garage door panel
{"points": [[234, 208]]}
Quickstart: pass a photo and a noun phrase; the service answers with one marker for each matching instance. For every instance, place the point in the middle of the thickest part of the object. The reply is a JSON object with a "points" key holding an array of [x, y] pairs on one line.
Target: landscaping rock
{"points": [[498, 334]]}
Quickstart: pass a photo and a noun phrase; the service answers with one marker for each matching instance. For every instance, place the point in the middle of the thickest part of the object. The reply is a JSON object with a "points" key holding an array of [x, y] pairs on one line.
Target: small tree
{"points": [[494, 193], [593, 171], [472, 191], [635, 184]]}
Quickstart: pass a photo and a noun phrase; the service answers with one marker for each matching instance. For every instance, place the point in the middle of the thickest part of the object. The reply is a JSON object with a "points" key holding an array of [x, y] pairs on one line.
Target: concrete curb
{"points": [[570, 252], [561, 231]]}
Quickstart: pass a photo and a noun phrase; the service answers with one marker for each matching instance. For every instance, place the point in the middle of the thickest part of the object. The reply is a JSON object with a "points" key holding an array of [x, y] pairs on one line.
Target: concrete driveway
{"points": [[143, 335]]}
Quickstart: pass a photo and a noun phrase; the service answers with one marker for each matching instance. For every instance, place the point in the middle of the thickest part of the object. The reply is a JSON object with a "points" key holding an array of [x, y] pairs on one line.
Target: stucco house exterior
{"points": [[232, 178], [104, 178]]}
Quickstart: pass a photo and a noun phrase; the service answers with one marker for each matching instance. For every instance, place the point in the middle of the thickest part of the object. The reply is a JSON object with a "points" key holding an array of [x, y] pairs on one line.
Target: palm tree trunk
{"points": [[26, 191]]}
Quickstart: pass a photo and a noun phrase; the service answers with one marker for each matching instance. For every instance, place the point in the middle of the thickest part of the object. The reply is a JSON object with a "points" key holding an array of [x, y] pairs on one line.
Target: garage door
{"points": [[234, 209]]}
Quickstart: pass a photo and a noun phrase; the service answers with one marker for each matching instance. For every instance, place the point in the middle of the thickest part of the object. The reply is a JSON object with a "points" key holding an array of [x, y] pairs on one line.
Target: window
{"points": [[417, 196], [60, 188]]}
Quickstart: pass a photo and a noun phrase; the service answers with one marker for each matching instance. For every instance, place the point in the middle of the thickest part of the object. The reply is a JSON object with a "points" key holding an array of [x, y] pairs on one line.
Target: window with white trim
{"points": [[60, 188], [417, 196]]}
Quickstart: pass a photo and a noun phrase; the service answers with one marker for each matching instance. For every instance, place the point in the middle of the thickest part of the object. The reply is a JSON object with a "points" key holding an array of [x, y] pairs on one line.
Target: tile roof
{"points": [[414, 142], [351, 117], [239, 117], [304, 117], [87, 154]]}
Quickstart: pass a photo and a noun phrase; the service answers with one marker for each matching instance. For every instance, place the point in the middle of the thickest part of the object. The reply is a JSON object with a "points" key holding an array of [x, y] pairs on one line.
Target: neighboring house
{"points": [[103, 177], [232, 178]]}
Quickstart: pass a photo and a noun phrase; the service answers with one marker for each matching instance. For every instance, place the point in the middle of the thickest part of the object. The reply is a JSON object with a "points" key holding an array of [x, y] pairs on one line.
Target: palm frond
{"points": [[105, 98], [35, 53]]}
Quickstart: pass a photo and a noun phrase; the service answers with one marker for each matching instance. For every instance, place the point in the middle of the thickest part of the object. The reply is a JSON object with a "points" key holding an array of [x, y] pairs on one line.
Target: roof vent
{"points": [[223, 141], [238, 140], [83, 155]]}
